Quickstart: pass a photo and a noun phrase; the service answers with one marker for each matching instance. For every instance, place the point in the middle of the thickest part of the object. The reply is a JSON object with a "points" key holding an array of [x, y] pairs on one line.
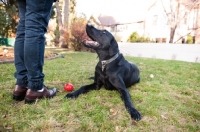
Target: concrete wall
{"points": [[182, 52]]}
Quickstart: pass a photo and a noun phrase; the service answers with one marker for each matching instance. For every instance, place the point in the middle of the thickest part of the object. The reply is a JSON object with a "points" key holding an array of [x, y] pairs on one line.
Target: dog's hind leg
{"points": [[138, 80]]}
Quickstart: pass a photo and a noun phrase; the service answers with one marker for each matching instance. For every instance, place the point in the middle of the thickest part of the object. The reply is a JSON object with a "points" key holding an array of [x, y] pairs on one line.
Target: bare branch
{"points": [[164, 9], [152, 5], [3, 1], [191, 7], [186, 35], [182, 37]]}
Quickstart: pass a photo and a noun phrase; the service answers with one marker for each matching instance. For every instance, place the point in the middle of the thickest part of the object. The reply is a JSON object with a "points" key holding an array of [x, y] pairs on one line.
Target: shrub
{"points": [[134, 37], [57, 36], [78, 33], [189, 39], [66, 39]]}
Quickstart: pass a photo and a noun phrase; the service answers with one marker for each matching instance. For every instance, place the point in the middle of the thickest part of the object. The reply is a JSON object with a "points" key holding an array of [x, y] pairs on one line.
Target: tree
{"points": [[68, 9], [68, 12], [9, 17], [60, 24], [176, 12]]}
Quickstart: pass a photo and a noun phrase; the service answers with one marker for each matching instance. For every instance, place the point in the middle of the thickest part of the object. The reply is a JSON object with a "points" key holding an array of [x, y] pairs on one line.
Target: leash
{"points": [[105, 62]]}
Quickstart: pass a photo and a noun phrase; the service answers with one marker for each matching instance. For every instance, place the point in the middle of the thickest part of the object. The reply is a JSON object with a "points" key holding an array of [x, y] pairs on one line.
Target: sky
{"points": [[120, 9]]}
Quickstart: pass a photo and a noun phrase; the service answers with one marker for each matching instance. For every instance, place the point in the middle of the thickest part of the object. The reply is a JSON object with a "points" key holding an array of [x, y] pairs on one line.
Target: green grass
{"points": [[168, 102]]}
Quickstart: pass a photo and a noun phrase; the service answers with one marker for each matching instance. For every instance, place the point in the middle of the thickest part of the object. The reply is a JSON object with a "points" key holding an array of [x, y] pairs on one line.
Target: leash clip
{"points": [[103, 64]]}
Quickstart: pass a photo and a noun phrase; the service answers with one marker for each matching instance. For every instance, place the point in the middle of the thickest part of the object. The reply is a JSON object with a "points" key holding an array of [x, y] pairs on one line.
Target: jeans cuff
{"points": [[34, 86], [22, 83]]}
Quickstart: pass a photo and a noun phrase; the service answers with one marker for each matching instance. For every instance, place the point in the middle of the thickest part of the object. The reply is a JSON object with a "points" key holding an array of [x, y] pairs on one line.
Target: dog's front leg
{"points": [[119, 84], [128, 104], [83, 89]]}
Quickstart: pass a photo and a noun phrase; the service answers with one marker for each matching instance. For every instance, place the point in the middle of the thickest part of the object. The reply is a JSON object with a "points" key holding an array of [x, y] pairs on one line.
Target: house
{"points": [[157, 21], [194, 23]]}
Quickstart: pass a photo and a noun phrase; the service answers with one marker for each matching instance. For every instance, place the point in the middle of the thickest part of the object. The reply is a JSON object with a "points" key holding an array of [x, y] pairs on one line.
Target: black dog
{"points": [[112, 70]]}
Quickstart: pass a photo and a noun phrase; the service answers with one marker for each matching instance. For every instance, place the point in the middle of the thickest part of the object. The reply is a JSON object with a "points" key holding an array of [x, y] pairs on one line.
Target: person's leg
{"points": [[36, 21], [21, 72]]}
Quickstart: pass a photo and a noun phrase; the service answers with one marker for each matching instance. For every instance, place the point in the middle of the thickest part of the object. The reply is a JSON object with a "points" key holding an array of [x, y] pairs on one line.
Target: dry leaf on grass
{"points": [[164, 117], [134, 122], [113, 112]]}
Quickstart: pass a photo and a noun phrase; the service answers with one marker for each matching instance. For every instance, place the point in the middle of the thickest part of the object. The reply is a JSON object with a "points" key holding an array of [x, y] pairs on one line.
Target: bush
{"points": [[78, 34], [134, 37], [57, 36], [189, 39], [66, 39]]}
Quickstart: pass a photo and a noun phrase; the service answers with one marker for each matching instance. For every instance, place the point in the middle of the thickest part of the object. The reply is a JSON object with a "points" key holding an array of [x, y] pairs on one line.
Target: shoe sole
{"points": [[31, 101], [18, 97]]}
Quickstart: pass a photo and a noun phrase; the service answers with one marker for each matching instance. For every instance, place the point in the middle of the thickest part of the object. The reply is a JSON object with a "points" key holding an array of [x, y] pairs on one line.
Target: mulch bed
{"points": [[7, 55]]}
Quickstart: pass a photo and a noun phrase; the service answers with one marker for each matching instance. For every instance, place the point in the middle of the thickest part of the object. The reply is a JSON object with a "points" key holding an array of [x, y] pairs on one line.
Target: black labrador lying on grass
{"points": [[112, 70]]}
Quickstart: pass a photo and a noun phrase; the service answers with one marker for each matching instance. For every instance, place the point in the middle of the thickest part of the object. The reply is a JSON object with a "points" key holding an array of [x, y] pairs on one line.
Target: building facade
{"points": [[159, 20]]}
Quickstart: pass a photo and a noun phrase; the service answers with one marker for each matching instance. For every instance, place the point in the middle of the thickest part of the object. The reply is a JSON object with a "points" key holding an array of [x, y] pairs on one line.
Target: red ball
{"points": [[68, 87]]}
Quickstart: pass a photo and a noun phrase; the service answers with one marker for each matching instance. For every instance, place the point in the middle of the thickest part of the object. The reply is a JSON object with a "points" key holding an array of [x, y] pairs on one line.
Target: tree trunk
{"points": [[66, 14], [60, 25], [172, 32], [197, 36]]}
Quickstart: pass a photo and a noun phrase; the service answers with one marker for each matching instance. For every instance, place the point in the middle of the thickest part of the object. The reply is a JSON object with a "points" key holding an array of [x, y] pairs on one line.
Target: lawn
{"points": [[170, 101]]}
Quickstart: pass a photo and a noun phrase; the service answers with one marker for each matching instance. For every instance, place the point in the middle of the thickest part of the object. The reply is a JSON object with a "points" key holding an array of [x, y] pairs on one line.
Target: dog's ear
{"points": [[113, 47]]}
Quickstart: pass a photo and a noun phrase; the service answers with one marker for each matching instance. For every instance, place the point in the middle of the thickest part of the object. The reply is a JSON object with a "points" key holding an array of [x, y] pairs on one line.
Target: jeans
{"points": [[30, 42]]}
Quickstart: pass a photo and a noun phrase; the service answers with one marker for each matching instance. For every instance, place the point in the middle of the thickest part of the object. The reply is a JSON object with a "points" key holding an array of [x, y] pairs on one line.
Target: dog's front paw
{"points": [[135, 114], [70, 95]]}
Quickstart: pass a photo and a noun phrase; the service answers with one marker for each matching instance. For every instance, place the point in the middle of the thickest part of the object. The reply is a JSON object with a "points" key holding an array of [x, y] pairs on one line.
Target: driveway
{"points": [[181, 52]]}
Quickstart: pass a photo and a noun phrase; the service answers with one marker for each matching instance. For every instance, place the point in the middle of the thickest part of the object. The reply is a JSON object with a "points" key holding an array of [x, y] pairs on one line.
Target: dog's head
{"points": [[102, 40]]}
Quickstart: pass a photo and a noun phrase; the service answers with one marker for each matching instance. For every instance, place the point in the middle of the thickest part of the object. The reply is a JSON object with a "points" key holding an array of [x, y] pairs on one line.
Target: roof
{"points": [[110, 12]]}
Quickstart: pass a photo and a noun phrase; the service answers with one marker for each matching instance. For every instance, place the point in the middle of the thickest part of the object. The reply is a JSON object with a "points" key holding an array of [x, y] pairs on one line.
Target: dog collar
{"points": [[105, 62]]}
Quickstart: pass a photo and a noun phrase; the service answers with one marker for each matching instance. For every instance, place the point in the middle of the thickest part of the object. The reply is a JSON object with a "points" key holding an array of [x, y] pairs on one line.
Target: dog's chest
{"points": [[105, 79]]}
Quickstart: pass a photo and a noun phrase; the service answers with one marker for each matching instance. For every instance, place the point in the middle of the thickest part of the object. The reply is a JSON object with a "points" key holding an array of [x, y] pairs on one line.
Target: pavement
{"points": [[181, 52]]}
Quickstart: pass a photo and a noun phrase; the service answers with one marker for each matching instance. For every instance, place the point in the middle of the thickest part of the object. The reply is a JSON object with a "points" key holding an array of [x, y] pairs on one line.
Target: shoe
{"points": [[19, 93], [31, 96]]}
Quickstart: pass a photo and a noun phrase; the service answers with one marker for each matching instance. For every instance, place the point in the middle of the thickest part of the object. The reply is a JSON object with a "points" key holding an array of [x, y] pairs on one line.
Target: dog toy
{"points": [[68, 87]]}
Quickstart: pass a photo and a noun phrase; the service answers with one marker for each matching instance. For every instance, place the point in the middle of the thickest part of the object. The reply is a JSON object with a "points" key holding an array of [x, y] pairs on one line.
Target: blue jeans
{"points": [[30, 42]]}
